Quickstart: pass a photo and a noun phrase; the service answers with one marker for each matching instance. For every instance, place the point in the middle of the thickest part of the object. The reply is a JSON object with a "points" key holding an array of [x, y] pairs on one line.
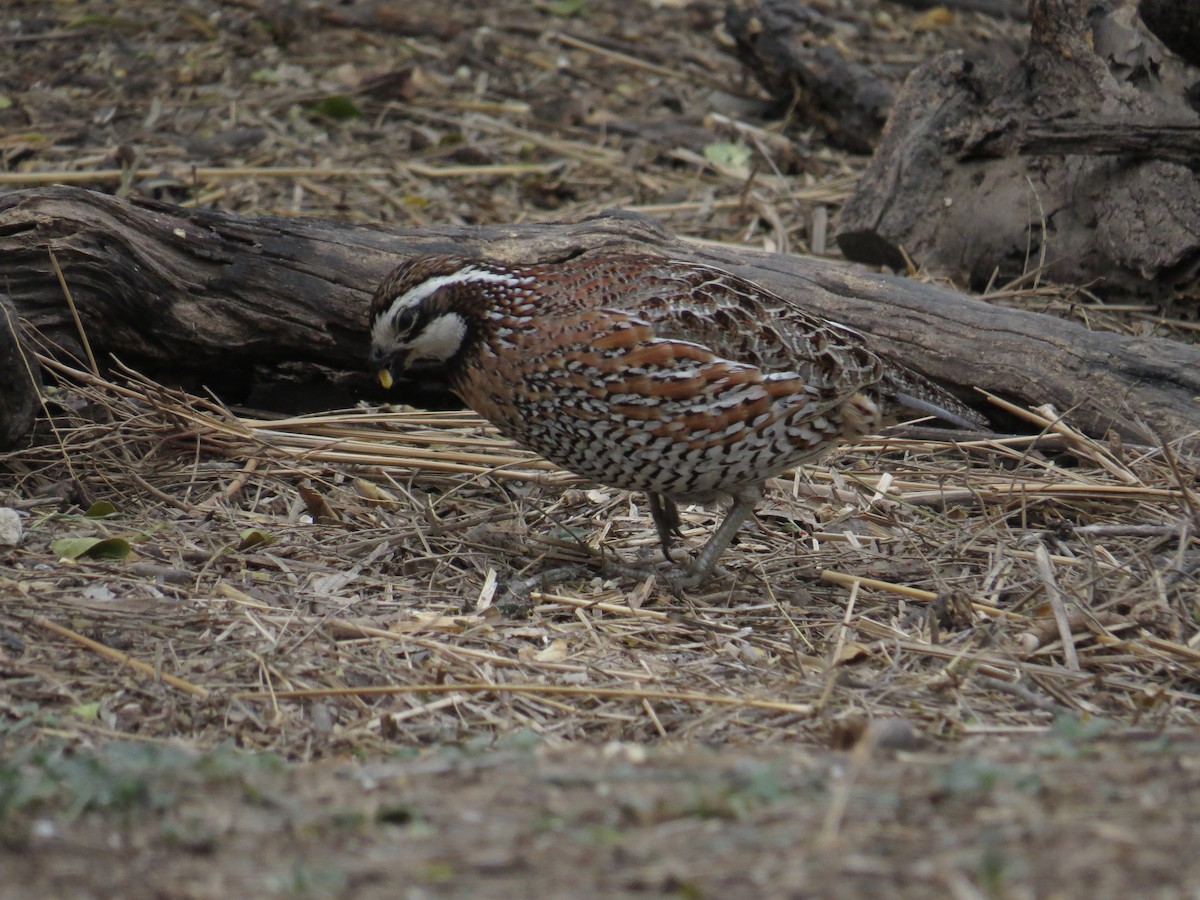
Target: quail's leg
{"points": [[666, 520], [702, 565]]}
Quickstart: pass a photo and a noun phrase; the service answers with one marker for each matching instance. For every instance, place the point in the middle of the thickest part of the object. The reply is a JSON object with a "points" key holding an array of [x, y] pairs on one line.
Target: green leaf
{"points": [[91, 548], [5, 101], [337, 106], [565, 8], [731, 156], [101, 509], [252, 537], [87, 710]]}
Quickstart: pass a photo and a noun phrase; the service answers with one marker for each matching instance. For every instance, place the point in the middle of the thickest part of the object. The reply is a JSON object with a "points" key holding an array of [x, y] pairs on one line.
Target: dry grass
{"points": [[338, 581], [341, 581]]}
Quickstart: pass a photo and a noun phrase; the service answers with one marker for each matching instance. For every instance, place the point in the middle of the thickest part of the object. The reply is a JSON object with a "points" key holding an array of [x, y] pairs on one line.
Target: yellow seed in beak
{"points": [[385, 378]]}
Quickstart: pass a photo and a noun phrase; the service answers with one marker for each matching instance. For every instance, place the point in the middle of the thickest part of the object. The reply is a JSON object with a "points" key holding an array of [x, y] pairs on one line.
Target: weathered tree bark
{"points": [[19, 379], [204, 293], [989, 172], [1115, 137]]}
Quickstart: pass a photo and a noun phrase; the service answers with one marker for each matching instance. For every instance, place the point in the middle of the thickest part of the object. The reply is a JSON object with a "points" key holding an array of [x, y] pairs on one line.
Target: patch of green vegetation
{"points": [[122, 777], [337, 107], [564, 9], [347, 819], [997, 868], [606, 836], [19, 790], [735, 798], [266, 76], [548, 823], [1072, 734], [89, 712], [316, 881], [420, 828], [22, 722], [974, 780], [35, 138], [728, 155], [686, 890], [227, 762], [1162, 744], [404, 754], [991, 867], [471, 747], [520, 739], [439, 871]]}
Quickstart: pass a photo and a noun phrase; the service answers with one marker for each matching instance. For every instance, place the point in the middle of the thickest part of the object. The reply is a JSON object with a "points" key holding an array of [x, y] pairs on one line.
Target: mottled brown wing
{"points": [[743, 322], [734, 318]]}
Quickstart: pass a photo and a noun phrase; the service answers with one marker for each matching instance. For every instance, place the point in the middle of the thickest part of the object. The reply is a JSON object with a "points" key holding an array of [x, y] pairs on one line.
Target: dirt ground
{"points": [[1057, 816], [933, 668]]}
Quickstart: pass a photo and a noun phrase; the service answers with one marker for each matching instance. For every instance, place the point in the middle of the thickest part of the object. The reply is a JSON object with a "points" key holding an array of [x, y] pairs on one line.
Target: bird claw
{"points": [[689, 579]]}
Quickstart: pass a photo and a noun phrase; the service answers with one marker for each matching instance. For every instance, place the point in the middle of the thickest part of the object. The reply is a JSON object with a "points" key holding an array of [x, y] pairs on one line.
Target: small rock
{"points": [[10, 527]]}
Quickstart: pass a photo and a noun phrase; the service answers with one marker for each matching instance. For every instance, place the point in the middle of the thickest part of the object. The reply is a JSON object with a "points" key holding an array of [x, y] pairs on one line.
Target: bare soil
{"points": [[931, 668]]}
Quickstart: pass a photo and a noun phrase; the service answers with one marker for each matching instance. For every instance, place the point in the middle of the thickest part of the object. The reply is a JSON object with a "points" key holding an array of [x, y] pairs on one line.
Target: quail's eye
{"points": [[406, 320]]}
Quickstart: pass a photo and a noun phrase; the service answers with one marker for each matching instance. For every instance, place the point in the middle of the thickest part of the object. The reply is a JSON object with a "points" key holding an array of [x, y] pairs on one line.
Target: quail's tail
{"points": [[906, 389]]}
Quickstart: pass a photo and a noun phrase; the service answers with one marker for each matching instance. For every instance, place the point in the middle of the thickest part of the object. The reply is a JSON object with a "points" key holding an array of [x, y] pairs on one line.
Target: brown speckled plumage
{"points": [[644, 373]]}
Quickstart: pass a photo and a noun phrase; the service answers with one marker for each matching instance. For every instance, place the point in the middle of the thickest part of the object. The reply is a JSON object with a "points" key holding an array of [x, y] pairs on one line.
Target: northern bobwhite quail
{"points": [[644, 373]]}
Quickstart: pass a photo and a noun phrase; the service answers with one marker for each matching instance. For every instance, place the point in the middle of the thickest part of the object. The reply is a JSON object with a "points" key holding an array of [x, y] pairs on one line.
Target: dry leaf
{"points": [[851, 652], [318, 507], [555, 652]]}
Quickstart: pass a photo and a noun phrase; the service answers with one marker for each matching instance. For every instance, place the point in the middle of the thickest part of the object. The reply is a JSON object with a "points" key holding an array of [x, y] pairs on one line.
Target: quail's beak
{"points": [[384, 364]]}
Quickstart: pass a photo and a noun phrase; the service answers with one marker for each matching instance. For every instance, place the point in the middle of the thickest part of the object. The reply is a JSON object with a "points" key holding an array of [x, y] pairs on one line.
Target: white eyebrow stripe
{"points": [[382, 330]]}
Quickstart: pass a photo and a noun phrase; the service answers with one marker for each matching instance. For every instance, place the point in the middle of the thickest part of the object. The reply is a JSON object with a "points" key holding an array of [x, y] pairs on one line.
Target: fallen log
{"points": [[224, 298], [20, 380]]}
